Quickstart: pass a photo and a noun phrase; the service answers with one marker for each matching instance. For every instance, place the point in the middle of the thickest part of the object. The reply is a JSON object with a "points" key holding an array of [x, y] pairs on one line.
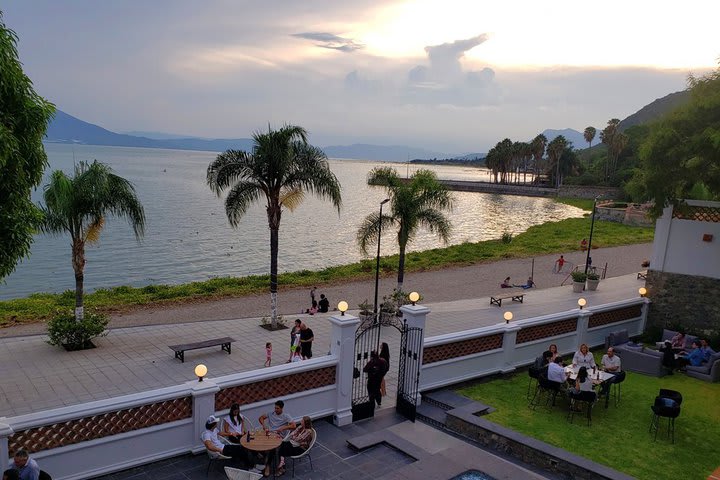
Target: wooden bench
{"points": [[514, 296], [642, 275], [224, 342]]}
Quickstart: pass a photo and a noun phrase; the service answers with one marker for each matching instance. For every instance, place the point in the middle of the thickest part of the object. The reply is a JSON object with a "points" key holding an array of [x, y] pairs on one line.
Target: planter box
{"points": [[592, 284], [578, 287]]}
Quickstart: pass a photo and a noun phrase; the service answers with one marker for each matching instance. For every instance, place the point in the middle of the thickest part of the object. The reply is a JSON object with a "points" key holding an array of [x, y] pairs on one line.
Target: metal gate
{"points": [[411, 342], [367, 339]]}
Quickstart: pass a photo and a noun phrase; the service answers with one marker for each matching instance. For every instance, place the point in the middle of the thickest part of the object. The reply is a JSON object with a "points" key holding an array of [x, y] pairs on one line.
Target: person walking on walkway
{"points": [[306, 339], [376, 369], [559, 263]]}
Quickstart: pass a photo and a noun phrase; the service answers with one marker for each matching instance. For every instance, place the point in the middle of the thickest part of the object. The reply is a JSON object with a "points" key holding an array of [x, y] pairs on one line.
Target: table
{"points": [[260, 442], [603, 377]]}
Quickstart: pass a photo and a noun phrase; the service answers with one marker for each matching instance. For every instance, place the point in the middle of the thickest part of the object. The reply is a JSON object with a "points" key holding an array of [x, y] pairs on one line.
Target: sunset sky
{"points": [[453, 76]]}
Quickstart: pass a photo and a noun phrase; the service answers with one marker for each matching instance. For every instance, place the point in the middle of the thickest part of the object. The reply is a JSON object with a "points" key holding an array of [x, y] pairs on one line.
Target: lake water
{"points": [[188, 237]]}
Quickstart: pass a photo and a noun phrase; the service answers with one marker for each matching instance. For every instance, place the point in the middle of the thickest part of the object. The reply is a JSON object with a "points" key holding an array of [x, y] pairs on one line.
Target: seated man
{"points": [[506, 283], [694, 358], [277, 421], [556, 372], [528, 284], [706, 349], [542, 361], [611, 364], [324, 304], [26, 467]]}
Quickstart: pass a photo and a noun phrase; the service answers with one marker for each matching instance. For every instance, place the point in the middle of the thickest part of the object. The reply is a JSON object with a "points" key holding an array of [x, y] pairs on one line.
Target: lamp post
{"points": [[377, 263], [592, 226]]}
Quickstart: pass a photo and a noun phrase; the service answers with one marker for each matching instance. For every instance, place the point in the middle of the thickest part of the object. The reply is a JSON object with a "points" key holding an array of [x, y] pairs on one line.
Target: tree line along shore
{"points": [[547, 238]]}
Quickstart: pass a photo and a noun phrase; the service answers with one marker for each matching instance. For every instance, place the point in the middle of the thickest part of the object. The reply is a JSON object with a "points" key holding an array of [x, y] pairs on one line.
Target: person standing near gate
{"points": [[376, 369], [385, 355]]}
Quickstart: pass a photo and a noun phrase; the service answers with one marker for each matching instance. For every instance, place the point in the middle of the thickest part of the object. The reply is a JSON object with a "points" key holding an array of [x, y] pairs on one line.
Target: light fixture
{"points": [[642, 291], [581, 303], [414, 297], [507, 316], [342, 306], [200, 372]]}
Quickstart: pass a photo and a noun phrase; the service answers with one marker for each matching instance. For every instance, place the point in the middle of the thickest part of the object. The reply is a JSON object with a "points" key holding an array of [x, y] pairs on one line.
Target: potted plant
{"points": [[593, 279], [579, 279], [366, 312]]}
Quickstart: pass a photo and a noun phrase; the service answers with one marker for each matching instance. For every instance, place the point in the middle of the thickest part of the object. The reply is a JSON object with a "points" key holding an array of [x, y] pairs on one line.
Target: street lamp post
{"points": [[592, 226], [377, 263]]}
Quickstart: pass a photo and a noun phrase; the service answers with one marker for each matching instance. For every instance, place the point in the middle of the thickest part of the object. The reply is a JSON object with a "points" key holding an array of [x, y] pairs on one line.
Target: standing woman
{"points": [[385, 355], [294, 339]]}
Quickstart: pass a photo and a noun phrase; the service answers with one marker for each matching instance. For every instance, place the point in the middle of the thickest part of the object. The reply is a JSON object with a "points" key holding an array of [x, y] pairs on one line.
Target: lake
{"points": [[188, 237]]}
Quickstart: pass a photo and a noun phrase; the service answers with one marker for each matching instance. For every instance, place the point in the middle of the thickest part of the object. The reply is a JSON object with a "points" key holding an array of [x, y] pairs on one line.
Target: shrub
{"points": [[593, 276], [64, 330], [506, 237], [579, 276]]}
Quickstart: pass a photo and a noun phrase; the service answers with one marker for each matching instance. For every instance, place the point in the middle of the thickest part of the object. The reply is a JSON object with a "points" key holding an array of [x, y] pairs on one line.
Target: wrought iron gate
{"points": [[366, 340], [411, 341]]}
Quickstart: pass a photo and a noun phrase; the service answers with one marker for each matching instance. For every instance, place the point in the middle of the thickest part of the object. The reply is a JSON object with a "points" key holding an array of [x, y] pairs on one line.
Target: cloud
{"points": [[331, 41]]}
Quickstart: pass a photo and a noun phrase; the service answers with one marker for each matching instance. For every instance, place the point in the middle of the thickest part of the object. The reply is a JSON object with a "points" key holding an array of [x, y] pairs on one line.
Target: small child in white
{"points": [[268, 354]]}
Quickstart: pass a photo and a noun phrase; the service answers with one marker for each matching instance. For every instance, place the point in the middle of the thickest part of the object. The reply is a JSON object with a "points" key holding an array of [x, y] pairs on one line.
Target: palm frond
{"points": [[92, 235], [239, 199], [291, 199], [228, 168], [367, 233]]}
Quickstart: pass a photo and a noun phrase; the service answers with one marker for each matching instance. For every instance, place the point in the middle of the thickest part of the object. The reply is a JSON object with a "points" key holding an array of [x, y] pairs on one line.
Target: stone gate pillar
{"points": [[342, 345], [415, 316]]}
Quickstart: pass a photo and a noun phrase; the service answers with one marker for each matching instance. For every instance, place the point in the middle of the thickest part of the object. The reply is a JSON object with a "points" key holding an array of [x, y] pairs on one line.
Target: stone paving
{"points": [[37, 376]]}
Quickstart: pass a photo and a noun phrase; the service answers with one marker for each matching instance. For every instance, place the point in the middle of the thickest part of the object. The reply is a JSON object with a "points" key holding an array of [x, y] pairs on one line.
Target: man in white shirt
{"points": [[611, 362], [277, 420], [556, 372]]}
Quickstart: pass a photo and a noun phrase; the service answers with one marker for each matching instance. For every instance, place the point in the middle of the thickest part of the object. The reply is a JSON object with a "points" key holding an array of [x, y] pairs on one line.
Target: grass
{"points": [[618, 436], [542, 239]]}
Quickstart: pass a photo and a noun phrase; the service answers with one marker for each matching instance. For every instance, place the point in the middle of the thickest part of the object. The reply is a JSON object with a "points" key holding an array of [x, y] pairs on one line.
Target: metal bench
{"points": [[515, 297], [224, 342], [642, 275]]}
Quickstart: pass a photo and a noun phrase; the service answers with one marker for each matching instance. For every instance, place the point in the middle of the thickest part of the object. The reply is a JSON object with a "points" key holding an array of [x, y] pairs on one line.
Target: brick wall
{"points": [[692, 301]]}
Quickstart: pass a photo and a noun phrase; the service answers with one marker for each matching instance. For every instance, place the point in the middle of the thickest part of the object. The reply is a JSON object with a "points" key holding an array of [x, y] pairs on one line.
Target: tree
{"points": [[537, 148], [616, 142], [281, 167], [555, 151], [683, 148], [420, 201], [589, 135], [24, 116], [78, 205]]}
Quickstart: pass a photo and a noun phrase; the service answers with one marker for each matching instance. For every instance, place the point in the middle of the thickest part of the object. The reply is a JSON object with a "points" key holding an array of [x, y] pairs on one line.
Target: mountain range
{"points": [[65, 128]]}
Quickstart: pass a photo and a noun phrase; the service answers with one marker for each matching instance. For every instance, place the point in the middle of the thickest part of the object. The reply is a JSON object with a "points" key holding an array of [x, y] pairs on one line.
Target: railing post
{"points": [[415, 316], [342, 345], [508, 345], [5, 432], [203, 398], [583, 322]]}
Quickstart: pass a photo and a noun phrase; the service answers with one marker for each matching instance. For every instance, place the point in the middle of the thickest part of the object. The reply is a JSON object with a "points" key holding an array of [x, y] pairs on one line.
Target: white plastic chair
{"points": [[213, 456], [306, 453], [237, 474]]}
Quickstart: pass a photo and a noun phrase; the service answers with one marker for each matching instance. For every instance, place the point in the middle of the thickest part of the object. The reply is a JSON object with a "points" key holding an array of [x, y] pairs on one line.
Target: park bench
{"points": [[224, 342], [642, 275], [514, 296]]}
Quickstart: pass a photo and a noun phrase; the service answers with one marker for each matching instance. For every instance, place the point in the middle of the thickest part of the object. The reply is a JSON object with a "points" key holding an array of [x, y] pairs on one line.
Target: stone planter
{"points": [[592, 284], [578, 287]]}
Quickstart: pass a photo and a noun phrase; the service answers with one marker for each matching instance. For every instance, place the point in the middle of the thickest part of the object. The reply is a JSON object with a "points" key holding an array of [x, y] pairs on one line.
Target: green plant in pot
{"points": [[593, 280], [72, 334], [579, 278]]}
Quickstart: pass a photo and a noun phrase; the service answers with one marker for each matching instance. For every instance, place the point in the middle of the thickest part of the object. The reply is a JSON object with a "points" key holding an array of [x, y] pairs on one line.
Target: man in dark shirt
{"points": [[324, 304], [376, 369], [306, 339]]}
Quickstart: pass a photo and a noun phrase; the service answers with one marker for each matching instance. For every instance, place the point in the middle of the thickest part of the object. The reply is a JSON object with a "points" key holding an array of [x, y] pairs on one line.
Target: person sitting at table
{"points": [[542, 361], [553, 349], [277, 421], [678, 341], [611, 364], [583, 383], [506, 283], [296, 443], [583, 357], [556, 372], [694, 358], [210, 438], [706, 349], [234, 425]]}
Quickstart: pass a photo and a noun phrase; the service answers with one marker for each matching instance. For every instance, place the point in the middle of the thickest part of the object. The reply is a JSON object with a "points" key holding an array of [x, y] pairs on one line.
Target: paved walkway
{"points": [[37, 376]]}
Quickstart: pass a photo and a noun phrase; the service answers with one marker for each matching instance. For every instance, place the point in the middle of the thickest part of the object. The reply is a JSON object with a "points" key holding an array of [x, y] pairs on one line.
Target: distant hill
{"points": [[389, 153], [570, 135], [161, 135], [656, 109], [65, 128]]}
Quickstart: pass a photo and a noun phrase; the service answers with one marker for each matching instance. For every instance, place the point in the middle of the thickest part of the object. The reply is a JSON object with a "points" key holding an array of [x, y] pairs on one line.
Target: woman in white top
{"points": [[234, 425], [583, 383], [583, 357]]}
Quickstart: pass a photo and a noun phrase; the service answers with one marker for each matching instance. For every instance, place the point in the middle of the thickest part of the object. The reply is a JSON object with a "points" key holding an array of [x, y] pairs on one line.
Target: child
{"points": [[268, 354], [297, 357]]}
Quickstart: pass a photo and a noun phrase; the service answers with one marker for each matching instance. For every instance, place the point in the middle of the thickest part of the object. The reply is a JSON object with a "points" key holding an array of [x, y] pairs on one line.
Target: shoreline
{"points": [[435, 285]]}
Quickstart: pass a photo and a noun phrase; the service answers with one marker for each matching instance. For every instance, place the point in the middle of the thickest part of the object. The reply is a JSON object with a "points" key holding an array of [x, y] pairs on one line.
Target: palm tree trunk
{"points": [[78, 263], [274, 234], [401, 267]]}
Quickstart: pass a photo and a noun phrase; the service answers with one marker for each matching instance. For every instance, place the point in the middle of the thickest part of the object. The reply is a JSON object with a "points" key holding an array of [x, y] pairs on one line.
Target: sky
{"points": [[448, 75]]}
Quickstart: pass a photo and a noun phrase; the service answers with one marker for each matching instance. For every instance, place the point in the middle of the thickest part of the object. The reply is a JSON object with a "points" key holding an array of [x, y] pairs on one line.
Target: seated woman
{"points": [[582, 383], [296, 443], [313, 309], [506, 283], [211, 441], [234, 425], [583, 357], [678, 341], [554, 351]]}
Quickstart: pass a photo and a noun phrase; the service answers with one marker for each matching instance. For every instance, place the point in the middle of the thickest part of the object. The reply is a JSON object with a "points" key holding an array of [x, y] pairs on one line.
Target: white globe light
{"points": [[414, 297], [508, 316], [200, 371], [343, 306]]}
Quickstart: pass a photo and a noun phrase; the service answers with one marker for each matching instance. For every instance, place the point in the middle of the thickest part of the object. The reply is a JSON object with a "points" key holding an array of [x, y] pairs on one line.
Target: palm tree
{"points": [[589, 135], [537, 147], [616, 142], [281, 167], [79, 205], [419, 201], [555, 150]]}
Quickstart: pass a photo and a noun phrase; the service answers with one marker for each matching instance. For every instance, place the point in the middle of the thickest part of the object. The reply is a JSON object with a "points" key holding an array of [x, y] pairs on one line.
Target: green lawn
{"points": [[618, 436]]}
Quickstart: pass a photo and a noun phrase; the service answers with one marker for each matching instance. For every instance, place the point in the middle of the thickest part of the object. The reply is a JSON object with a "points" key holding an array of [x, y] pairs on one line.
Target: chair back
{"points": [[620, 377], [672, 394], [666, 407], [534, 372], [237, 474], [548, 384], [586, 396], [312, 443]]}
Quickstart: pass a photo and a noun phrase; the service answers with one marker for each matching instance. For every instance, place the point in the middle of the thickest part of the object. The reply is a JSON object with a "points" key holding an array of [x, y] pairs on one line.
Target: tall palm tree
{"points": [[555, 150], [589, 135], [616, 141], [79, 205], [537, 146], [281, 167], [419, 201]]}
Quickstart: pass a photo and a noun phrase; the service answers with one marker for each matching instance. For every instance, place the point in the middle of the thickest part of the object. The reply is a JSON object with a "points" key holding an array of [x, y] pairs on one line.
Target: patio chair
{"points": [[212, 457], [673, 394], [533, 375], [615, 386], [664, 407], [547, 389], [237, 474], [583, 398], [306, 453]]}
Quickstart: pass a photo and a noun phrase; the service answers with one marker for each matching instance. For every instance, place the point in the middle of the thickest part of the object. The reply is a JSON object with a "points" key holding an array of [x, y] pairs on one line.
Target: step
{"points": [[445, 399], [431, 414]]}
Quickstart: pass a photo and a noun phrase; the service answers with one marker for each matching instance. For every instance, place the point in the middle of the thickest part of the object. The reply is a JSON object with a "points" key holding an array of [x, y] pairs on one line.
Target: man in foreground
{"points": [[26, 467]]}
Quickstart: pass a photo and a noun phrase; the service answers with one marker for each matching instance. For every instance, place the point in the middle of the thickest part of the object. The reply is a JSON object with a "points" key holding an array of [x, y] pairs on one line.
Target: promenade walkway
{"points": [[37, 376]]}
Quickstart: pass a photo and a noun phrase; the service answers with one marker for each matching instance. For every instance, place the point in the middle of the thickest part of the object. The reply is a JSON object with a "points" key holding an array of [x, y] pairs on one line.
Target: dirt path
{"points": [[436, 286]]}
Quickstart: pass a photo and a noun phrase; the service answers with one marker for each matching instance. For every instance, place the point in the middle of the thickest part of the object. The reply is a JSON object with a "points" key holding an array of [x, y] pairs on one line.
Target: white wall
{"points": [[678, 246]]}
